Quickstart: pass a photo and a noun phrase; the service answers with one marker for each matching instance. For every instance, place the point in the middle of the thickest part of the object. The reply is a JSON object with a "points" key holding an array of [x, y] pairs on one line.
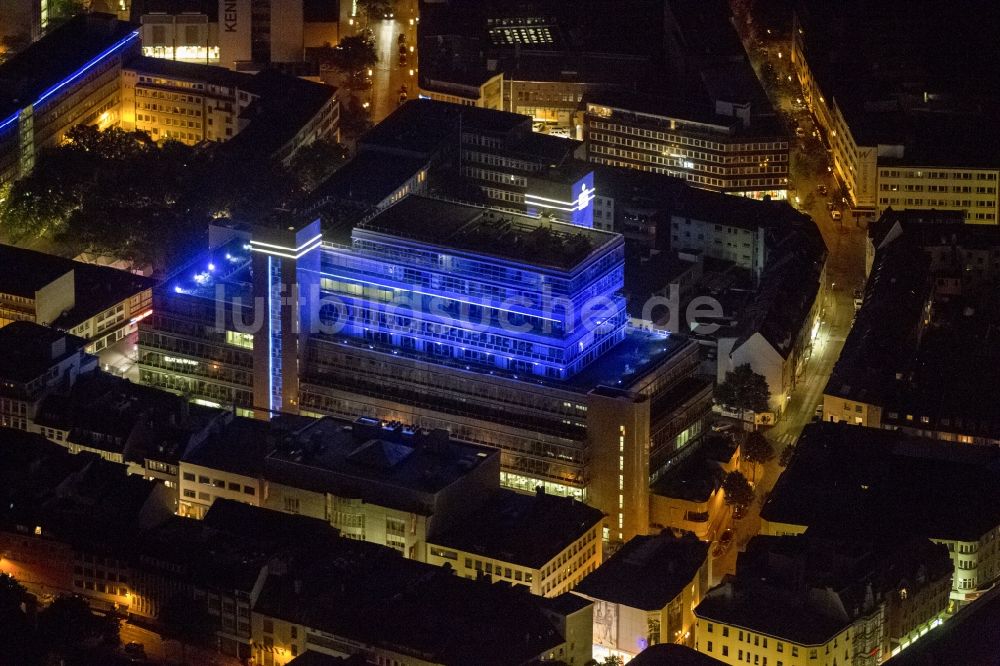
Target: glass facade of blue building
{"points": [[493, 290]]}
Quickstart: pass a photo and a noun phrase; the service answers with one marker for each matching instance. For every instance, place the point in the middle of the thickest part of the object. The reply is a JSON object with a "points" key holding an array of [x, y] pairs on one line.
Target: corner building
{"points": [[441, 315]]}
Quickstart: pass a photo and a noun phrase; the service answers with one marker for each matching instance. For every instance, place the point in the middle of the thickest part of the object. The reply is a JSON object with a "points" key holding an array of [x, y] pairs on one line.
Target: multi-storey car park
{"points": [[442, 315]]}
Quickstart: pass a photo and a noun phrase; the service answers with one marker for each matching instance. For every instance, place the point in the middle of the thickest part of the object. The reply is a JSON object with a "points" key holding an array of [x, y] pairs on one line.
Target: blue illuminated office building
{"points": [[483, 288], [507, 330]]}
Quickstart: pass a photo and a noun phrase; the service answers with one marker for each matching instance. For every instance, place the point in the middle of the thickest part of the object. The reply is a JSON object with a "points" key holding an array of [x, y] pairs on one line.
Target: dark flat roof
{"points": [[190, 71], [28, 350], [672, 654], [374, 460], [374, 595], [697, 474], [528, 530], [286, 104], [56, 56], [23, 272], [370, 177], [421, 126], [490, 232], [876, 479], [648, 572]]}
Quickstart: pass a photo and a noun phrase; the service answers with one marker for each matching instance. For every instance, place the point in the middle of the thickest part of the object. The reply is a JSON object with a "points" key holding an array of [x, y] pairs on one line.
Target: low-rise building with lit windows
{"points": [[387, 483], [100, 304], [873, 481], [544, 542], [724, 152], [907, 137], [218, 566], [68, 520], [37, 361], [645, 594], [185, 102], [229, 464]]}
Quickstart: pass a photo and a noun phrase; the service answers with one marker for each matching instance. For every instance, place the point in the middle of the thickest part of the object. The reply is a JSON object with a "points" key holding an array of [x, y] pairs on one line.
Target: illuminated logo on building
{"points": [[229, 15], [580, 208]]}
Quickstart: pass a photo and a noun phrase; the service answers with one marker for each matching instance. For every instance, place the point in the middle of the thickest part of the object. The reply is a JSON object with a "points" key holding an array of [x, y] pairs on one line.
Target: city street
{"points": [[845, 272], [388, 76]]}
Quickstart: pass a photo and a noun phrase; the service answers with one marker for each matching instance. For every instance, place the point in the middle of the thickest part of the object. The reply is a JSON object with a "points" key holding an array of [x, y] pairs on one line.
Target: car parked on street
{"points": [[723, 544]]}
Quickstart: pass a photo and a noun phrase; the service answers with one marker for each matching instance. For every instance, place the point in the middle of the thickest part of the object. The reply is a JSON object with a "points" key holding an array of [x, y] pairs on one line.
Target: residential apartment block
{"points": [[869, 481], [798, 600]]}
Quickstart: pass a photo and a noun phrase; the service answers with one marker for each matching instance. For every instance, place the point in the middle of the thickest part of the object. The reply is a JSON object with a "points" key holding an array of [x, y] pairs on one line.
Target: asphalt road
{"points": [[845, 272], [389, 75]]}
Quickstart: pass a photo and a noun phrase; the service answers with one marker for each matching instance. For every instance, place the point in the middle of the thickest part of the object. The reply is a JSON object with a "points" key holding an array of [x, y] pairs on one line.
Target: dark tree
{"points": [[743, 391], [738, 492], [68, 624], [188, 621], [120, 193], [786, 455], [757, 450], [374, 9], [316, 162], [352, 56], [355, 119]]}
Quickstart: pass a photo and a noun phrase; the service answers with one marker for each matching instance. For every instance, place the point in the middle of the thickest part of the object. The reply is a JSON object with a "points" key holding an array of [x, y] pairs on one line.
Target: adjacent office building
{"points": [[246, 35], [69, 77], [721, 149], [544, 542], [192, 103]]}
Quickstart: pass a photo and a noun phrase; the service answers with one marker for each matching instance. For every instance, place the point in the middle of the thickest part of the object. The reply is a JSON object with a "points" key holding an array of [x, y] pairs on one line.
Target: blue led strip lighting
{"points": [[270, 340], [90, 63], [12, 119]]}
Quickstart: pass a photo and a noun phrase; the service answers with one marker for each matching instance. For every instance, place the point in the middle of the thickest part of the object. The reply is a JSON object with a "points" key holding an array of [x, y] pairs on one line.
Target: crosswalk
{"points": [[786, 438]]}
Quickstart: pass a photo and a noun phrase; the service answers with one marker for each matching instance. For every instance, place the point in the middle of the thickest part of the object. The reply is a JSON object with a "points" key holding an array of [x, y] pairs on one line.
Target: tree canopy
{"points": [[757, 450], [738, 492], [316, 162], [353, 56], [119, 192], [374, 9], [743, 391], [786, 455]]}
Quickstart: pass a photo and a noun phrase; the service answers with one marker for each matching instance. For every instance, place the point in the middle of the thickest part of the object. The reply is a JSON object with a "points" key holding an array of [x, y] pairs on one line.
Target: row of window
{"points": [[937, 175], [219, 483]]}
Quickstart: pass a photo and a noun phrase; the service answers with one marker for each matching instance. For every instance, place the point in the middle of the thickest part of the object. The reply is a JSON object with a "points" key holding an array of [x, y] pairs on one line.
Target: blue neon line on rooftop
{"points": [[90, 63], [10, 120]]}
